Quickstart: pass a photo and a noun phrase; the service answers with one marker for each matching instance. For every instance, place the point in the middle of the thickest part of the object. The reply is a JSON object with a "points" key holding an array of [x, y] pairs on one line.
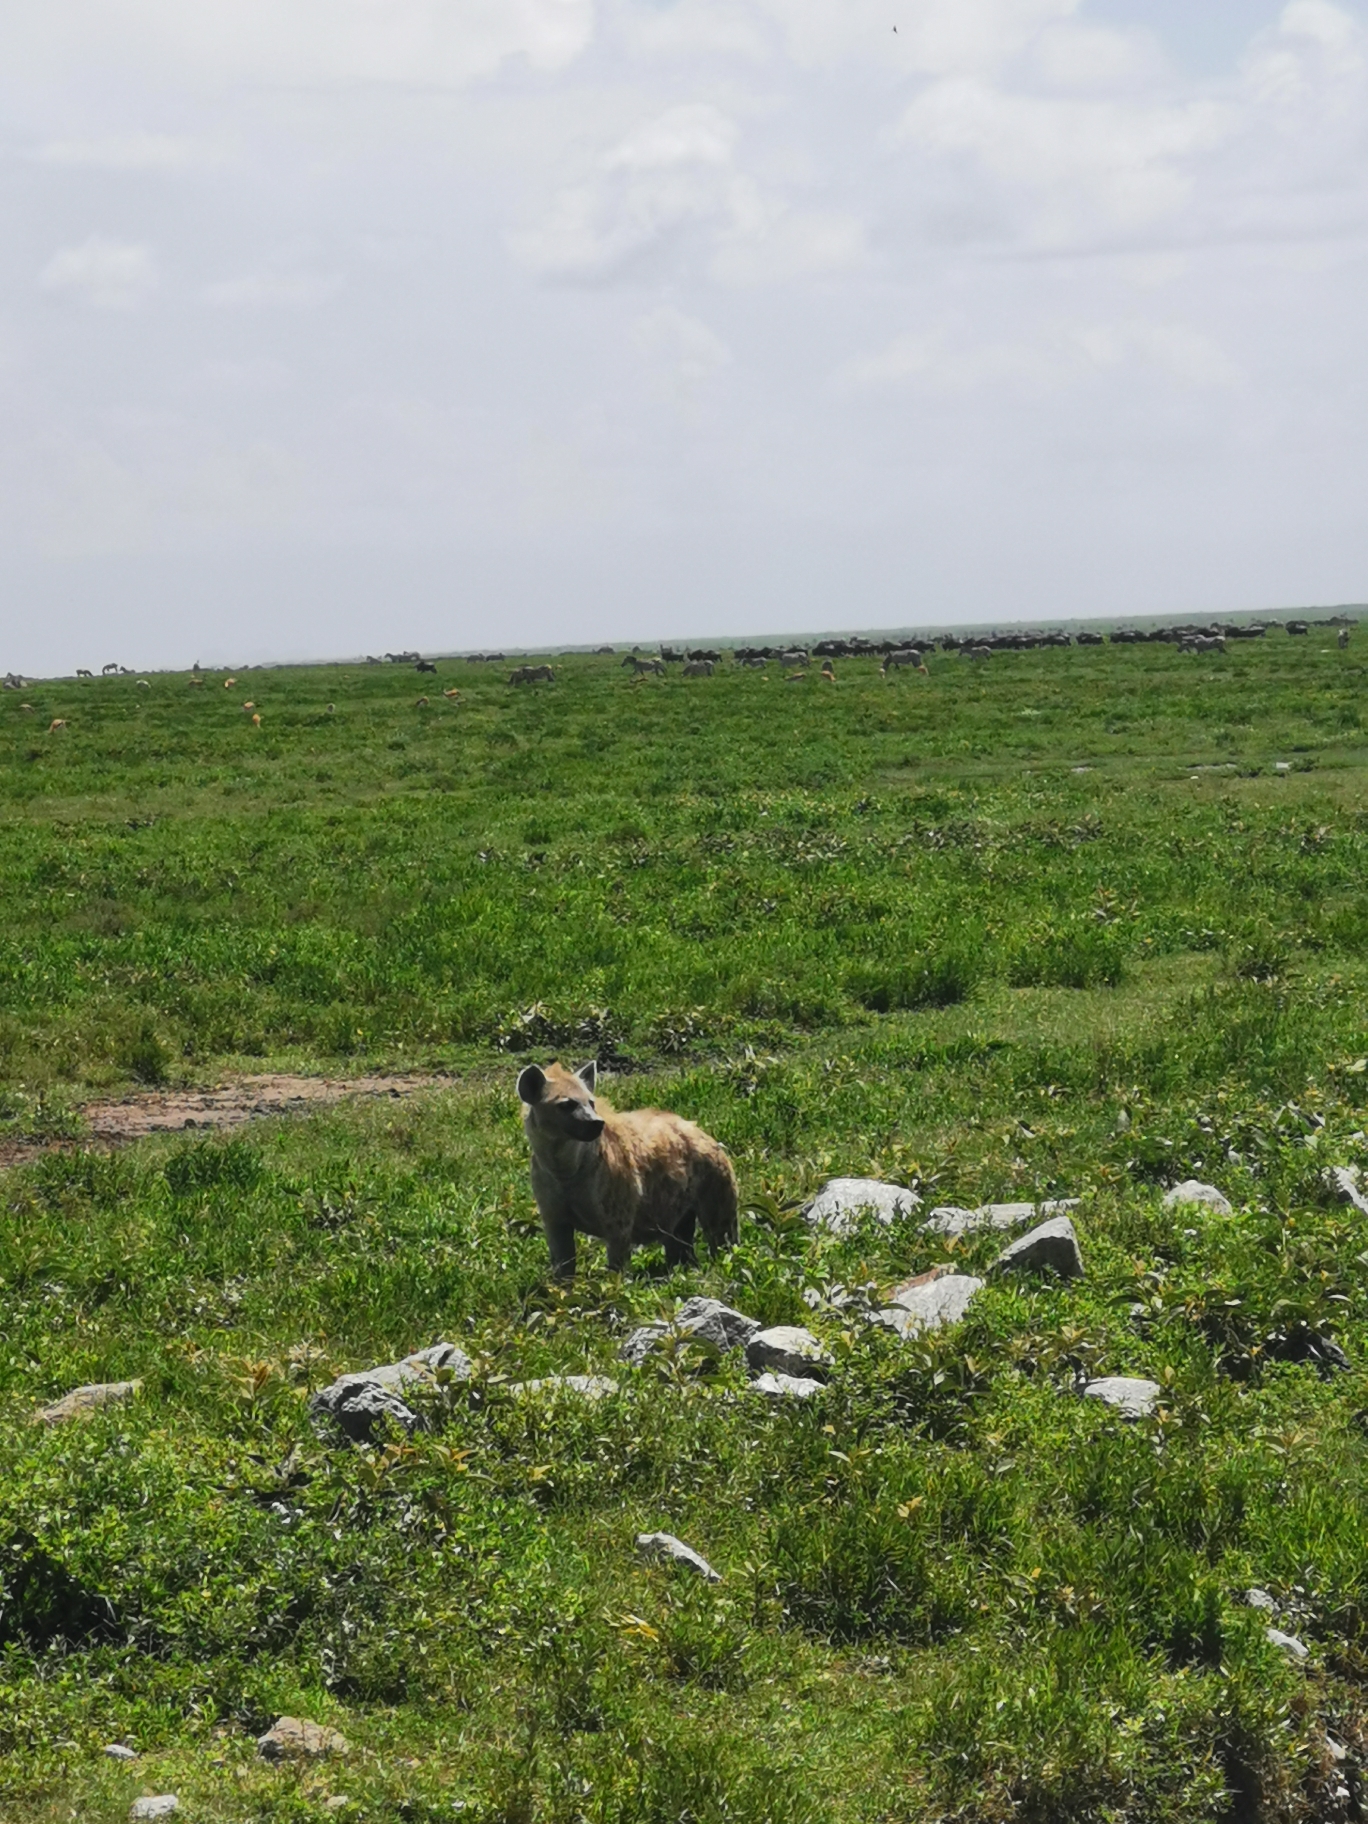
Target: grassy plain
{"points": [[1057, 925]]}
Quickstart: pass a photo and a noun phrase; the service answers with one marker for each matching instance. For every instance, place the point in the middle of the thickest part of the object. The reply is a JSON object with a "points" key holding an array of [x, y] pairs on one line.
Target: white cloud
{"points": [[272, 290], [321, 43], [111, 275], [681, 353], [945, 363], [122, 152]]}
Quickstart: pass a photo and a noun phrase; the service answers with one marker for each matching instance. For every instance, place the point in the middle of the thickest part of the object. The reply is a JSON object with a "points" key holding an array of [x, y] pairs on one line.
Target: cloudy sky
{"points": [[342, 325]]}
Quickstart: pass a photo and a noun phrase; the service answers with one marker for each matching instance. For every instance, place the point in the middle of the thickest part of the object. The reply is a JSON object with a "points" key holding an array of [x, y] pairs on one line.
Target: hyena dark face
{"points": [[561, 1102]]}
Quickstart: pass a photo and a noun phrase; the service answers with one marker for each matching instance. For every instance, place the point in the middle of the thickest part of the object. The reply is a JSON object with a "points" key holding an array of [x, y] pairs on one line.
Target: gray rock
{"points": [[81, 1400], [786, 1349], [1053, 1244], [588, 1386], [358, 1402], [951, 1219], [640, 1344], [1294, 1648], [841, 1201], [1132, 1398], [1191, 1191], [937, 1302], [1343, 1182], [786, 1386], [713, 1322], [295, 1738], [704, 1320], [666, 1546], [1260, 1599], [119, 1751], [160, 1805]]}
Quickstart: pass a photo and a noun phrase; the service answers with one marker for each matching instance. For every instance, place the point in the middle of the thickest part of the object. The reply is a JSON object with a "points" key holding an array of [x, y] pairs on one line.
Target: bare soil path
{"points": [[115, 1123]]}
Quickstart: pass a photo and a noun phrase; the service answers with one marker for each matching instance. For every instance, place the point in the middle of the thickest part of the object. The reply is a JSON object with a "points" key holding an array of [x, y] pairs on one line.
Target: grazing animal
{"points": [[228, 683], [142, 684], [532, 674], [107, 670], [451, 694], [332, 708], [249, 706], [906, 656], [629, 1179], [27, 706], [1343, 638], [81, 672], [56, 723], [755, 663], [195, 683], [422, 703], [699, 668], [426, 665], [643, 665], [793, 656], [976, 652], [256, 721], [828, 671]]}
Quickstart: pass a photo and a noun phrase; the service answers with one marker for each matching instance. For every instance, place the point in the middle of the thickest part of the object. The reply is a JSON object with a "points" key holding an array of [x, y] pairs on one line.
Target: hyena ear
{"points": [[588, 1075], [531, 1083]]}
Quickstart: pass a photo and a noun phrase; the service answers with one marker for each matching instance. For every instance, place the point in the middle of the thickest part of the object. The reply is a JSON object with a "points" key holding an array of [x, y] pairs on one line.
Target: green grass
{"points": [[884, 928]]}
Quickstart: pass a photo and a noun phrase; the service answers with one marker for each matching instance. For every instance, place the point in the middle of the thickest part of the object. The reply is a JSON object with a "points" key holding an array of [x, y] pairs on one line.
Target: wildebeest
{"points": [[1298, 627], [699, 668], [1343, 638], [109, 670], [81, 672], [425, 665], [532, 674]]}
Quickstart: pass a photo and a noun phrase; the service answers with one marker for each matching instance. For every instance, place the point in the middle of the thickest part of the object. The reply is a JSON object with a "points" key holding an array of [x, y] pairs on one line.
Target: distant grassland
{"points": [[1051, 925], [663, 866]]}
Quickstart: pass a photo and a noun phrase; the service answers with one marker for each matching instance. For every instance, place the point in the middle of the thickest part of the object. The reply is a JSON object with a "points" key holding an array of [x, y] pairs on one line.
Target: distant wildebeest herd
{"points": [[903, 653]]}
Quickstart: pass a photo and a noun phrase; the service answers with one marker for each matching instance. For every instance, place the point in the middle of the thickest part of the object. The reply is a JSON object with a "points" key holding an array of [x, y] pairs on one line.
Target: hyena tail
{"points": [[717, 1204]]}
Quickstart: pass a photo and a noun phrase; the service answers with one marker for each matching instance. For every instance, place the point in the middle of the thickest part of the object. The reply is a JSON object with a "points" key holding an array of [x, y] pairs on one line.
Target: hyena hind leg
{"points": [[679, 1247]]}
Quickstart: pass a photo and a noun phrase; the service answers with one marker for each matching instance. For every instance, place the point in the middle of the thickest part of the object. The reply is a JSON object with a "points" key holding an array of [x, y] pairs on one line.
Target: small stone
{"points": [[81, 1400], [1132, 1398], [711, 1321], [932, 1305], [159, 1805], [841, 1201], [1260, 1599], [1191, 1191], [786, 1386], [119, 1751], [358, 1402], [295, 1738], [588, 1386], [787, 1349], [1053, 1244], [1294, 1648], [640, 1344], [665, 1545], [1343, 1182]]}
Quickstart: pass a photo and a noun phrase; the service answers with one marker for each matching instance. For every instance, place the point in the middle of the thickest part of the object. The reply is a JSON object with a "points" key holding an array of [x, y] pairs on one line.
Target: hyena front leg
{"points": [[558, 1226]]}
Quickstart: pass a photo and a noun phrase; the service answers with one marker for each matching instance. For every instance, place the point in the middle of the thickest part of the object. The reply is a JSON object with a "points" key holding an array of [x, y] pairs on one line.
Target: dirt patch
{"points": [[173, 1111]]}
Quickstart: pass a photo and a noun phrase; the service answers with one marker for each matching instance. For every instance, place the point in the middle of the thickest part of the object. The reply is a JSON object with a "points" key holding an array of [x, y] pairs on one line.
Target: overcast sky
{"points": [[332, 326]]}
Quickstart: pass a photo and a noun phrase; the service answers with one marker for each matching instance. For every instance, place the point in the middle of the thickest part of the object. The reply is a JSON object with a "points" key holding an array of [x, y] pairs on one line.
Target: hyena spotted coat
{"points": [[630, 1179]]}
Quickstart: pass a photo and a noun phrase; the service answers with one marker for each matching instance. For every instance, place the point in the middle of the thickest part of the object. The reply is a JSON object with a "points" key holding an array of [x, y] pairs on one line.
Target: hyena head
{"points": [[560, 1103]]}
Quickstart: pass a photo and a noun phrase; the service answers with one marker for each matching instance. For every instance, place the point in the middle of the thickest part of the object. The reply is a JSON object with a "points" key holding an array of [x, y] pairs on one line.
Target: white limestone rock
{"points": [[674, 1551], [1192, 1191], [931, 1305], [786, 1386], [841, 1201], [787, 1349], [1052, 1245], [1132, 1397]]}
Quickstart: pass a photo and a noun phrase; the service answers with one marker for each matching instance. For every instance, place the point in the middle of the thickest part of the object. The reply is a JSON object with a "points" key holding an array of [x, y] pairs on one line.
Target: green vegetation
{"points": [[1050, 926]]}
